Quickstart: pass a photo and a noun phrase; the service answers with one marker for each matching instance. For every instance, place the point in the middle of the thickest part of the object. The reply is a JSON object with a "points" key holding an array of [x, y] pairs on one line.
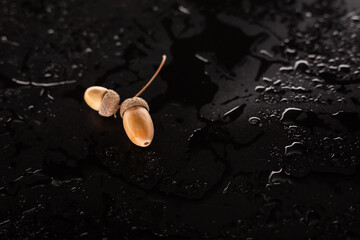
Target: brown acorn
{"points": [[137, 121], [103, 100]]}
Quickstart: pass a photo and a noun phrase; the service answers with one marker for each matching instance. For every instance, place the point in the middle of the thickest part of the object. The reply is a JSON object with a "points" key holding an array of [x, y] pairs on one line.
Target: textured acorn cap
{"points": [[133, 102], [109, 103]]}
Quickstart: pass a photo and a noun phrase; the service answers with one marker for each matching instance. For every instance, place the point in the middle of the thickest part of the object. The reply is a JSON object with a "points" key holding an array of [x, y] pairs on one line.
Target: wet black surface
{"points": [[256, 113]]}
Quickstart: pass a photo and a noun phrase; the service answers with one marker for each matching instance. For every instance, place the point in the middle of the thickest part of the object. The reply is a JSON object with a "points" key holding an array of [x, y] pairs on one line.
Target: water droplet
{"points": [[226, 188], [266, 53], [4, 222], [267, 80], [294, 148], [301, 65], [312, 218], [184, 10], [50, 31], [290, 114], [259, 88], [278, 177], [277, 82], [201, 58], [295, 89], [355, 18], [344, 68], [254, 120], [286, 69], [289, 50], [234, 113]]}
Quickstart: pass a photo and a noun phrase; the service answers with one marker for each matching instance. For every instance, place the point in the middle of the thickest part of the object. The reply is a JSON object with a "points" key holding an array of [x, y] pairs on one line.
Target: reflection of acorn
{"points": [[103, 100]]}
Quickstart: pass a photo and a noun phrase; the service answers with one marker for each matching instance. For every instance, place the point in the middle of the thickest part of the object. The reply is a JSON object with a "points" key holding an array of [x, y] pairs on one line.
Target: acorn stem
{"points": [[153, 77], [117, 108]]}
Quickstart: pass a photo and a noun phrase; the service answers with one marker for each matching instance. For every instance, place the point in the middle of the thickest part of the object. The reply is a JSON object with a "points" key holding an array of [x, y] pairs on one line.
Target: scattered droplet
{"points": [[278, 177], [286, 69], [290, 114], [50, 31], [254, 120], [301, 65], [277, 82], [290, 50], [259, 88], [266, 53], [294, 148], [226, 188], [344, 68], [201, 58], [267, 80], [184, 10], [234, 113], [312, 218]]}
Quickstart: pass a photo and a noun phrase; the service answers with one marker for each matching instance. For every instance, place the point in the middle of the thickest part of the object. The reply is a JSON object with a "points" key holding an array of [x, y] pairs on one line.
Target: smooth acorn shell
{"points": [[138, 126], [94, 95], [103, 100]]}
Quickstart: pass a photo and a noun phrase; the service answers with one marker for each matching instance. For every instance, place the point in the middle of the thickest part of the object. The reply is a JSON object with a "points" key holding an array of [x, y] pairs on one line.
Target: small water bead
{"points": [[355, 18], [266, 53], [259, 88], [333, 68], [47, 75], [201, 58], [312, 218], [184, 10], [321, 65], [278, 177], [290, 51], [344, 68], [301, 65], [270, 89], [316, 80], [295, 89], [277, 82], [50, 31], [286, 69], [234, 113], [267, 80], [311, 56], [290, 114], [294, 148], [338, 139], [226, 188], [254, 120]]}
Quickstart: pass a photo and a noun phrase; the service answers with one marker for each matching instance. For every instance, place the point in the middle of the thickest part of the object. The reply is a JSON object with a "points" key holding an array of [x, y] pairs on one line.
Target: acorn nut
{"points": [[103, 100], [137, 121]]}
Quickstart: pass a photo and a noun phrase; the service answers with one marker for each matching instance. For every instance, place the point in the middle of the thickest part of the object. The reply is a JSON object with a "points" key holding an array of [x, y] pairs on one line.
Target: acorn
{"points": [[103, 100], [137, 121]]}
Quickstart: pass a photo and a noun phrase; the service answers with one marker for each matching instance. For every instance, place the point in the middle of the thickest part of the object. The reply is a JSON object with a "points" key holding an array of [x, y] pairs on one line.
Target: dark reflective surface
{"points": [[256, 116]]}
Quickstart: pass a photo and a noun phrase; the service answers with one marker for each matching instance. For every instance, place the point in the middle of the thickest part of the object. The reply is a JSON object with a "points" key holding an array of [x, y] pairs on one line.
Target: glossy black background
{"points": [[229, 159]]}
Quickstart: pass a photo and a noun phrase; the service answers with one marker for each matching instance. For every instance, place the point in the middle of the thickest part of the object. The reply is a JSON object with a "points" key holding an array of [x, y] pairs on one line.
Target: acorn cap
{"points": [[133, 102], [109, 103]]}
